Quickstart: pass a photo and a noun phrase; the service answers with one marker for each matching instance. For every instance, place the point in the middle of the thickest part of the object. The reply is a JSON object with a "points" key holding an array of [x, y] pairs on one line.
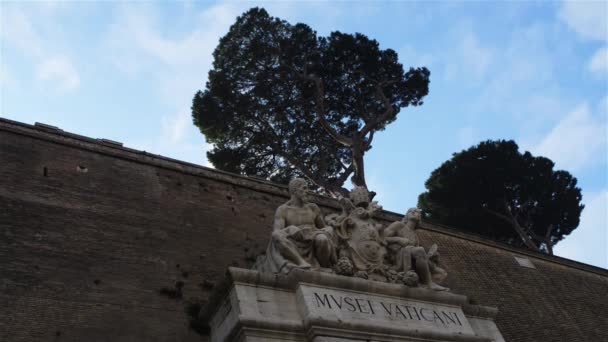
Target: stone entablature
{"points": [[316, 306]]}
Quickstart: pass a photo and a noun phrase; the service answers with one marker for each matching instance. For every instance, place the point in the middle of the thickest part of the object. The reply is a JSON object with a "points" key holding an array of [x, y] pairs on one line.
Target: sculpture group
{"points": [[350, 243]]}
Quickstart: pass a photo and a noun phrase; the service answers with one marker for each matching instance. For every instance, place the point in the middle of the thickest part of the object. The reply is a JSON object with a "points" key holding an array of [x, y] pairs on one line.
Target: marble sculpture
{"points": [[351, 243], [300, 238]]}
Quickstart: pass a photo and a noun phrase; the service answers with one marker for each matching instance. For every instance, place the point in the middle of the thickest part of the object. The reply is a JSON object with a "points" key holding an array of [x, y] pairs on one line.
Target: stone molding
{"points": [[236, 275]]}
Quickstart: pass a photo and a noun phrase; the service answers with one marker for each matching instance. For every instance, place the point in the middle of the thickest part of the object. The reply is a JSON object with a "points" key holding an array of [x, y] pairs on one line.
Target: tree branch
{"points": [[344, 176], [368, 142], [388, 108], [304, 170], [534, 235], [342, 165], [320, 104], [528, 229], [549, 231], [515, 225]]}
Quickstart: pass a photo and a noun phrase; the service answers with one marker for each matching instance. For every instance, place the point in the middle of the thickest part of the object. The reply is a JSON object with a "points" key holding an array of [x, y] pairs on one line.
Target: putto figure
{"points": [[406, 252], [300, 237]]}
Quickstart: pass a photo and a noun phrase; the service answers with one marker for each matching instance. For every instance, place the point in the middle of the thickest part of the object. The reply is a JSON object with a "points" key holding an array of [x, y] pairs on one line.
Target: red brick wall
{"points": [[84, 254]]}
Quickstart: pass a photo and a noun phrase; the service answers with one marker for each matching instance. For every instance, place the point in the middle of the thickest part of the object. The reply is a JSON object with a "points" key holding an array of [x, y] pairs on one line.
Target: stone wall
{"points": [[92, 231]]}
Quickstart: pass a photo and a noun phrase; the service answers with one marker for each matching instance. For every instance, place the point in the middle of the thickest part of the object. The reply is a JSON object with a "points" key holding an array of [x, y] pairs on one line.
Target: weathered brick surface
{"points": [[83, 255]]}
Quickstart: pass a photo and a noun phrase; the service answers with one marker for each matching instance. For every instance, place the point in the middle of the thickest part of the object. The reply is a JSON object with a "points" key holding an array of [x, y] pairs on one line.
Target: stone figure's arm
{"points": [[392, 229], [432, 252], [398, 240], [380, 228], [319, 222], [279, 219], [391, 234]]}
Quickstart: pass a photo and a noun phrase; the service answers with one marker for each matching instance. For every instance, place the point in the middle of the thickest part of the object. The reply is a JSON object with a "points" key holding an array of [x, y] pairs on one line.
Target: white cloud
{"points": [[476, 57], [174, 127], [136, 31], [6, 78], [599, 62], [602, 107], [589, 242], [588, 18], [59, 71], [576, 141], [178, 139], [138, 45], [410, 56], [18, 30], [538, 111], [473, 59], [529, 56], [523, 82]]}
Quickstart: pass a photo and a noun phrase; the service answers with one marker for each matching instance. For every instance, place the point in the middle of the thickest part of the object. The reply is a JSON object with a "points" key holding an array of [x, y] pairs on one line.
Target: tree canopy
{"points": [[282, 102], [494, 190]]}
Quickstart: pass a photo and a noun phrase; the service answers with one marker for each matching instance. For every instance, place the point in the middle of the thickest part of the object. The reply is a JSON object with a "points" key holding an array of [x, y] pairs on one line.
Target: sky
{"points": [[534, 72]]}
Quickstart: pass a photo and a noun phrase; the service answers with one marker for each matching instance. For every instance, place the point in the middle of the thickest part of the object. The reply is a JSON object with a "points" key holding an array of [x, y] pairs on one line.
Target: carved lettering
{"points": [[399, 312], [338, 304], [458, 319], [349, 302], [415, 311], [360, 307], [448, 318], [388, 310], [423, 316], [366, 306], [320, 300], [407, 308], [437, 317]]}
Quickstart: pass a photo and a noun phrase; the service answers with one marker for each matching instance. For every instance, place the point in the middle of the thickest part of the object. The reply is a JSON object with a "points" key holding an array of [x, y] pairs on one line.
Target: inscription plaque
{"points": [[341, 305]]}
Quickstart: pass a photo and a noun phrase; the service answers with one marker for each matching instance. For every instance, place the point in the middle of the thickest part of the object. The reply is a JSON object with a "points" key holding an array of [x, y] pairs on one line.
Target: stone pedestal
{"points": [[320, 307]]}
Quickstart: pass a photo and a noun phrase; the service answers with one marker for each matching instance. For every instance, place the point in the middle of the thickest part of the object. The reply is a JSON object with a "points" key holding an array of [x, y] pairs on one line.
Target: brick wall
{"points": [[90, 232]]}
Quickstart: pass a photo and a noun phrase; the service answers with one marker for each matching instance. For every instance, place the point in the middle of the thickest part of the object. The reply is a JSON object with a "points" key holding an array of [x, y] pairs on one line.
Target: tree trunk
{"points": [[336, 191], [548, 241], [524, 237], [549, 247], [358, 177], [508, 217]]}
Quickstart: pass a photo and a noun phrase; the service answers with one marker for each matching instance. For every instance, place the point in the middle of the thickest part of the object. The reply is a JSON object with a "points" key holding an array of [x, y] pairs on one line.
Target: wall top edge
{"points": [[56, 135]]}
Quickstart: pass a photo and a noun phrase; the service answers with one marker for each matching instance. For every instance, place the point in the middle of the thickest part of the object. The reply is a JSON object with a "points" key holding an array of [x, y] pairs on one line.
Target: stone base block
{"points": [[321, 307]]}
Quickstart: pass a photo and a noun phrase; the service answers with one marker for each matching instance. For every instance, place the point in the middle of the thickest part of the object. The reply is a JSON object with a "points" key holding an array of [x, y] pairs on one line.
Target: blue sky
{"points": [[535, 72]]}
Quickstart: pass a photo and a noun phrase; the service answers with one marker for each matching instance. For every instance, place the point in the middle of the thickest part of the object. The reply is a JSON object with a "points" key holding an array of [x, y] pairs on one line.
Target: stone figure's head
{"points": [[413, 214], [359, 196], [298, 188]]}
